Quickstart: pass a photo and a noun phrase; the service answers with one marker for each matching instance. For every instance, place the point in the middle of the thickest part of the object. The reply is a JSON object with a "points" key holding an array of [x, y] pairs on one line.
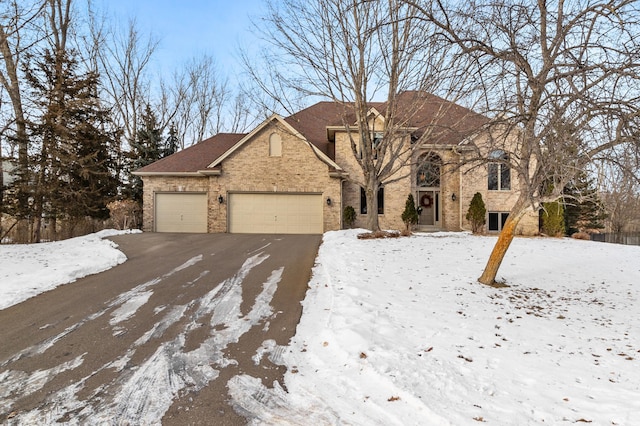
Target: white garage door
{"points": [[275, 213], [181, 212]]}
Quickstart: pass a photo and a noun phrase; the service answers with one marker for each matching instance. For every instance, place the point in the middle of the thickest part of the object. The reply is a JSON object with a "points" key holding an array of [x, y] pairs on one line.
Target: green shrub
{"points": [[477, 213], [553, 219], [410, 214], [349, 216]]}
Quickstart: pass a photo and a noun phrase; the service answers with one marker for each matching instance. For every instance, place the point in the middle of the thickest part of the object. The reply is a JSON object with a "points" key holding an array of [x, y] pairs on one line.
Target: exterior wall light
{"points": [[453, 197], [328, 201], [220, 199]]}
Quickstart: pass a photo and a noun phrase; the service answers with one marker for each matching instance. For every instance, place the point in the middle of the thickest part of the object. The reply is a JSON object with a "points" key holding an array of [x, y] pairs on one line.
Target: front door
{"points": [[429, 207]]}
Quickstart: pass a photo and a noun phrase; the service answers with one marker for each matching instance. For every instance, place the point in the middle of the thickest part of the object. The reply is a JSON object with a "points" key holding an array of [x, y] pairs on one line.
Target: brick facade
{"points": [[245, 164], [251, 169]]}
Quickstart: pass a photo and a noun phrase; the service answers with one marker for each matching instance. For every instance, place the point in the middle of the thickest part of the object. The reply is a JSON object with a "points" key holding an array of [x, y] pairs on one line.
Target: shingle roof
{"points": [[196, 157], [446, 122]]}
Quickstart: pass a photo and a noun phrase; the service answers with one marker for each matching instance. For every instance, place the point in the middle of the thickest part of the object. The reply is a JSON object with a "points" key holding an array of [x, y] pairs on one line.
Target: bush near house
{"points": [[477, 213], [410, 214], [125, 214], [349, 216]]}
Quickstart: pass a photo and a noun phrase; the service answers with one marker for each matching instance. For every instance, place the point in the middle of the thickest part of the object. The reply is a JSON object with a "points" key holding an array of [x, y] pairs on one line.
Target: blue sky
{"points": [[189, 28]]}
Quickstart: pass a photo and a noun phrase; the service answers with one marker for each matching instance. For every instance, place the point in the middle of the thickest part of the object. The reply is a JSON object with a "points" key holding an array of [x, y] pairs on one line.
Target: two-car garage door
{"points": [[275, 213], [254, 213]]}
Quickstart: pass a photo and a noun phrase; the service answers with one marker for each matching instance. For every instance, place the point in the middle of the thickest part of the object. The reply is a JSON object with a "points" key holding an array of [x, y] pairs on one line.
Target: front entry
{"points": [[429, 208]]}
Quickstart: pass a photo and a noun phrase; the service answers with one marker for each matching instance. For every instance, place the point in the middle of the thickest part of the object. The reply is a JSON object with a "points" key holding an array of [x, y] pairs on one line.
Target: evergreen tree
{"points": [[172, 143], [410, 214], [583, 208], [145, 149], [552, 216], [349, 216], [74, 168], [477, 213]]}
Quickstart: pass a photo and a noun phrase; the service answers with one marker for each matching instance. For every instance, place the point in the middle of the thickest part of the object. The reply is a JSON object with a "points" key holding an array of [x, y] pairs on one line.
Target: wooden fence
{"points": [[628, 238]]}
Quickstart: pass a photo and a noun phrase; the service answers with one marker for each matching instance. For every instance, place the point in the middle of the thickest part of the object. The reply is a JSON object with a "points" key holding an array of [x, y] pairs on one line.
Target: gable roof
{"points": [[447, 123], [205, 157], [275, 117], [193, 159]]}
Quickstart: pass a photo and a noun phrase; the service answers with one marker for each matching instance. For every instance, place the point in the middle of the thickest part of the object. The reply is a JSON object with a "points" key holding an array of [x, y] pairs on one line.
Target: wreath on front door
{"points": [[426, 201]]}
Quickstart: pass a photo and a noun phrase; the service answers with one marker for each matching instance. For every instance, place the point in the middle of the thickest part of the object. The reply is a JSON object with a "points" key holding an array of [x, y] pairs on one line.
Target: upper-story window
{"points": [[428, 173], [376, 138], [275, 145], [499, 172]]}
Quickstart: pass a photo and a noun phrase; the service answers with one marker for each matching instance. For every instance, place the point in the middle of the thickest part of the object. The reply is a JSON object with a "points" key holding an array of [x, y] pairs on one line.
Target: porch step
{"points": [[426, 228]]}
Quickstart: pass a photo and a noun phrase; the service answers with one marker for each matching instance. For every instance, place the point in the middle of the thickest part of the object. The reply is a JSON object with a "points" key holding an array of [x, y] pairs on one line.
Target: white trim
{"points": [[288, 127], [167, 173], [376, 114], [209, 172]]}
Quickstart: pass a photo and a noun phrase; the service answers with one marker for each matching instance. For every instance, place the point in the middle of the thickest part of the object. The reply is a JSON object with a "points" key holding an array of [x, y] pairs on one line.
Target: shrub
{"points": [[553, 219], [581, 236], [410, 214], [125, 214], [349, 216], [378, 234], [477, 213]]}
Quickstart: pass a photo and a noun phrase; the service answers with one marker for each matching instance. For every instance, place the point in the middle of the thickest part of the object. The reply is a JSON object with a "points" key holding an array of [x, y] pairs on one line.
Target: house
{"points": [[296, 174]]}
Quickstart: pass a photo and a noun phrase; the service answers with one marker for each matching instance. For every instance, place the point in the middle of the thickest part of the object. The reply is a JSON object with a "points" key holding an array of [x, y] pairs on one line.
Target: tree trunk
{"points": [[505, 238], [371, 194]]}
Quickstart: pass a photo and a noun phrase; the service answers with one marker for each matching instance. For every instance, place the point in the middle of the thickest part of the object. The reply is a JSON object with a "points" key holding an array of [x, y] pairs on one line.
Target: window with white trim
{"points": [[499, 172], [497, 220]]}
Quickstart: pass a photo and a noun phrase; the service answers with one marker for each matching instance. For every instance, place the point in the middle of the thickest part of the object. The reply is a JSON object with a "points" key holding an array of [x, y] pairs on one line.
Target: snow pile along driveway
{"points": [[399, 332], [27, 270]]}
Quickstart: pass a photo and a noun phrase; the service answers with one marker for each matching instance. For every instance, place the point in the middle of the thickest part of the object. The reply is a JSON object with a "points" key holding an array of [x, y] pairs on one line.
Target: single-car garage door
{"points": [[273, 213], [181, 212]]}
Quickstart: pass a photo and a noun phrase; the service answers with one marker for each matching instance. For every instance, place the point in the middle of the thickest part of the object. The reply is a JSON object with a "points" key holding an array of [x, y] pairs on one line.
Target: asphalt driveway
{"points": [[157, 338]]}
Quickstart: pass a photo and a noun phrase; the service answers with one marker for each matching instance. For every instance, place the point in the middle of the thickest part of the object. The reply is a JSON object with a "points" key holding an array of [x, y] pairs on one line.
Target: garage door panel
{"points": [[181, 212], [275, 213]]}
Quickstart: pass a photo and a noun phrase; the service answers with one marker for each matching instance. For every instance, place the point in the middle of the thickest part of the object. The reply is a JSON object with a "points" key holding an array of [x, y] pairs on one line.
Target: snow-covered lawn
{"points": [[30, 269], [398, 331]]}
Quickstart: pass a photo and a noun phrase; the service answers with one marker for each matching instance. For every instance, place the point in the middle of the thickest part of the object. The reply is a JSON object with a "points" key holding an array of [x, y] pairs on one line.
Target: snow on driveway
{"points": [[142, 394], [394, 332]]}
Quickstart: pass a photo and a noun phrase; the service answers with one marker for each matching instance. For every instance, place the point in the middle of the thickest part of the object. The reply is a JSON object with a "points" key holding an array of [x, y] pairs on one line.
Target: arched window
{"points": [[428, 174], [275, 145], [499, 172]]}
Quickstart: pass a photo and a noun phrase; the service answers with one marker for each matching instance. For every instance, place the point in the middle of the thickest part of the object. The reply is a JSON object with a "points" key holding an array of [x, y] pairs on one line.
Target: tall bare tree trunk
{"points": [[371, 195], [11, 84], [502, 245]]}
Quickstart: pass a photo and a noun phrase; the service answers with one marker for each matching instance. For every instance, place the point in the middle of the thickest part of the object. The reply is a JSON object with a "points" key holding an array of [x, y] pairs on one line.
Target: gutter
{"points": [[199, 173]]}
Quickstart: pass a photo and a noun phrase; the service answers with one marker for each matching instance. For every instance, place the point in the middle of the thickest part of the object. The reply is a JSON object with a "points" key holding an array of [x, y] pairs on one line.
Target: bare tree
{"points": [[16, 38], [354, 53], [124, 59], [620, 191], [205, 94], [560, 84]]}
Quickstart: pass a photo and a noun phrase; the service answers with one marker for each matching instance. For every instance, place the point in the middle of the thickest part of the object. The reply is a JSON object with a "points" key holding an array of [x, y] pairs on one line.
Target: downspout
{"points": [[460, 202], [342, 181], [460, 175]]}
